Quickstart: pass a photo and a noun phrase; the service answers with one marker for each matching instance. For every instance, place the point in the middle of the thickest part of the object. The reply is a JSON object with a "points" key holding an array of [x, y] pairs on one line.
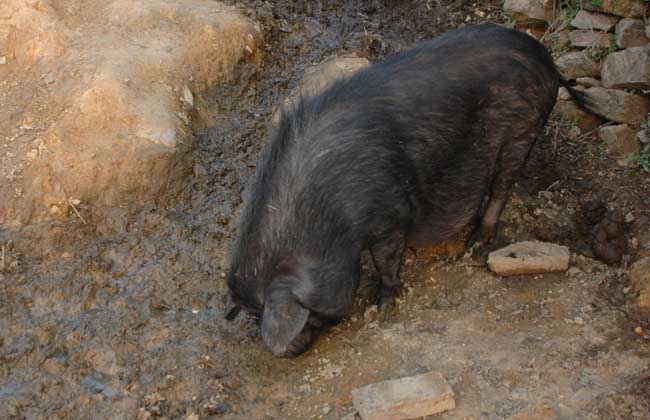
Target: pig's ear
{"points": [[283, 319]]}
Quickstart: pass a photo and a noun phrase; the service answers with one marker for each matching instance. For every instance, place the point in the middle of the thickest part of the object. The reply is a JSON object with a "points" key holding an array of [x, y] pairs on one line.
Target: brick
{"points": [[529, 257], [404, 398]]}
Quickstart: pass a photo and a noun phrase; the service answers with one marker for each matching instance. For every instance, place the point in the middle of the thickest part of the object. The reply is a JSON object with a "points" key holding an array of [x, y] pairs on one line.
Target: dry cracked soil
{"points": [[122, 317]]}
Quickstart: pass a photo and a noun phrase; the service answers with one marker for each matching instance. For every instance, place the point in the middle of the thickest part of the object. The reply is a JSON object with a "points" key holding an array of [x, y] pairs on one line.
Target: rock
{"points": [[624, 8], [618, 105], [530, 11], [560, 40], [643, 136], [3, 60], [629, 68], [536, 412], [609, 240], [588, 81], [569, 111], [620, 142], [318, 78], [404, 398], [112, 134], [587, 38], [589, 20], [529, 257], [577, 64], [639, 275], [630, 33], [54, 365]]}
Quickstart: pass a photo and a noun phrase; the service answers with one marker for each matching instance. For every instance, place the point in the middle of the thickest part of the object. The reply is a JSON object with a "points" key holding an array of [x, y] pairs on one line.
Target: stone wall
{"points": [[602, 45]]}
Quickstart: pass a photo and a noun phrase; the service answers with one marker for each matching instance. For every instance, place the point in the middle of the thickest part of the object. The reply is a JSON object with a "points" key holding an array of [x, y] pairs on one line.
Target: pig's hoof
{"points": [[387, 297], [483, 236]]}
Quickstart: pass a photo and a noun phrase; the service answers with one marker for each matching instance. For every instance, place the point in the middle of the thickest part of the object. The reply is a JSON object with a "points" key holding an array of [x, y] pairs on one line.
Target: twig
{"points": [[77, 211], [552, 185]]}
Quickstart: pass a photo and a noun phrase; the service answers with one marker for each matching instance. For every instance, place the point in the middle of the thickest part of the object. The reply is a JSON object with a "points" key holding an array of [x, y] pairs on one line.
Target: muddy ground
{"points": [[122, 317]]}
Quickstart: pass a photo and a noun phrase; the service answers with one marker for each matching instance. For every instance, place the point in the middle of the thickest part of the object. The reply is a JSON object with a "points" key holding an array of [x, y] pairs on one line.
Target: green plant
{"points": [[642, 159], [570, 9], [598, 3], [511, 22]]}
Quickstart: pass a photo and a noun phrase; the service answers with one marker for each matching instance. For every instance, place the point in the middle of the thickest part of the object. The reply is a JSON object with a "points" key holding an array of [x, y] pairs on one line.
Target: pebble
{"points": [[3, 60]]}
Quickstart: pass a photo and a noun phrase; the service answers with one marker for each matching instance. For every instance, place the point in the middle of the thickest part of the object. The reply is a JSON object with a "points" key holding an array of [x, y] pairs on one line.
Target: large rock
{"points": [[530, 10], [630, 33], [620, 142], [586, 38], [629, 68], [618, 105], [625, 8], [529, 257], [639, 275], [590, 20], [577, 64], [111, 104], [318, 78]]}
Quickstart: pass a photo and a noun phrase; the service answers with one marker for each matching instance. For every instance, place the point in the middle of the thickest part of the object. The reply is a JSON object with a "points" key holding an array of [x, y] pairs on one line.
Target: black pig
{"points": [[402, 153]]}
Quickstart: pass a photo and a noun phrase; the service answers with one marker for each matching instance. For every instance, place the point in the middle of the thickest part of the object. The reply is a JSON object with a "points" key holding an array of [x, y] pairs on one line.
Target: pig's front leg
{"points": [[387, 254]]}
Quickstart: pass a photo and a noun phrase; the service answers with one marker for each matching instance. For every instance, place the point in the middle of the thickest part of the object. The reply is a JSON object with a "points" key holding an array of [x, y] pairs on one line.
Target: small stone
{"points": [[577, 64], [620, 142], [629, 68], [326, 409], [618, 105], [588, 81], [3, 60], [574, 272], [529, 257], [630, 33], [187, 97], [574, 133], [66, 256], [53, 366], [638, 331], [404, 398], [587, 38], [563, 94], [590, 20], [370, 311], [629, 217], [643, 136], [199, 170]]}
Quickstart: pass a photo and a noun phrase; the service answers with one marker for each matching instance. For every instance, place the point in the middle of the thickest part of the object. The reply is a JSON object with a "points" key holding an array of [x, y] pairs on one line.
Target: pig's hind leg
{"points": [[512, 156], [387, 256]]}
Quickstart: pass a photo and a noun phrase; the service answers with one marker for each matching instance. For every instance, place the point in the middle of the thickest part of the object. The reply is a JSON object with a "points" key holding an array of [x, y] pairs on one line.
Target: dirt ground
{"points": [[123, 317]]}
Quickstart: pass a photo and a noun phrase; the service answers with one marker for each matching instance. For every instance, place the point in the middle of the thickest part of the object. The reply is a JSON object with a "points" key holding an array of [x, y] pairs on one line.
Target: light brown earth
{"points": [[122, 317]]}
